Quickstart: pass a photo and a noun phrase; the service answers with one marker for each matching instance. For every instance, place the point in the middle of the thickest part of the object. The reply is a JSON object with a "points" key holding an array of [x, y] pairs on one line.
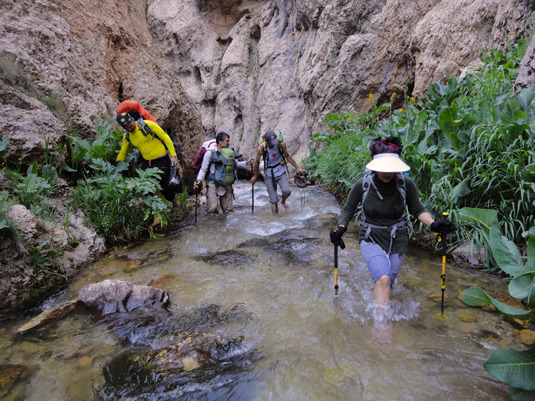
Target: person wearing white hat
{"points": [[383, 194]]}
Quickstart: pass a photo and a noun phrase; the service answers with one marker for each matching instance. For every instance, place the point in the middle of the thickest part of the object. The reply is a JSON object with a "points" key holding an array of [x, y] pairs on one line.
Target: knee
{"points": [[384, 280]]}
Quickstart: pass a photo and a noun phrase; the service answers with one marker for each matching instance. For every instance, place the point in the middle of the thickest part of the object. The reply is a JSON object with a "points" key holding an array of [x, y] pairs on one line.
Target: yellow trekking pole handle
{"points": [[442, 238]]}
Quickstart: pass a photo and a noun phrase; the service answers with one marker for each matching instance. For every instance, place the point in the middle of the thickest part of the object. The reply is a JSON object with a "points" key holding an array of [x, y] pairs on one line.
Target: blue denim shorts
{"points": [[379, 262]]}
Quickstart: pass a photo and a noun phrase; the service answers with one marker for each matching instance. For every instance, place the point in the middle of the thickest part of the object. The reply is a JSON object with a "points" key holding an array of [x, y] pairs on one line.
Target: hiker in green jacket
{"points": [[383, 193], [219, 170]]}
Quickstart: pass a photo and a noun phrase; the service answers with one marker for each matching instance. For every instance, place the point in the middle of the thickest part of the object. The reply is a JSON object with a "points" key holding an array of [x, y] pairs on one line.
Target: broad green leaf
{"points": [[531, 248], [3, 144], [523, 286], [30, 182], [485, 217], [505, 253], [460, 190], [447, 122], [33, 169], [50, 174], [431, 150], [511, 113], [525, 97], [518, 394], [515, 368], [66, 167], [476, 296]]}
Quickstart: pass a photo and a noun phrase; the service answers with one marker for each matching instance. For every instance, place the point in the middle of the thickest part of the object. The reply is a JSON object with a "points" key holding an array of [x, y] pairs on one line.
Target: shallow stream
{"points": [[266, 283]]}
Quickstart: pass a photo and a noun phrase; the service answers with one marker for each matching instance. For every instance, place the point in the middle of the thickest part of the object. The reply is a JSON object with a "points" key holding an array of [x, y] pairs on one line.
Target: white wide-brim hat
{"points": [[387, 163]]}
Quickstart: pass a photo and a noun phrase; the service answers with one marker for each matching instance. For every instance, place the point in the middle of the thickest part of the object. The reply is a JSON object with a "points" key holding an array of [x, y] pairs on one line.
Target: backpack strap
{"points": [[368, 182], [264, 148], [145, 130]]}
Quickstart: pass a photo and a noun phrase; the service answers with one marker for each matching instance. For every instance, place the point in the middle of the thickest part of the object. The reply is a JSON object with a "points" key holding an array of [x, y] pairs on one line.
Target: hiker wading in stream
{"points": [[383, 193], [219, 169], [275, 155], [156, 148]]}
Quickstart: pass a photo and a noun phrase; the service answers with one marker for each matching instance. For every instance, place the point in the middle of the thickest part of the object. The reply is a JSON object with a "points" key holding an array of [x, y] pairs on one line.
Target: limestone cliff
{"points": [[283, 65], [203, 66], [88, 56]]}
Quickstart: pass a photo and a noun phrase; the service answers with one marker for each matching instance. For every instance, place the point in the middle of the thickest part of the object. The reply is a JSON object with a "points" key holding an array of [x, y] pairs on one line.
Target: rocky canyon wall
{"points": [[89, 56], [243, 67], [283, 65]]}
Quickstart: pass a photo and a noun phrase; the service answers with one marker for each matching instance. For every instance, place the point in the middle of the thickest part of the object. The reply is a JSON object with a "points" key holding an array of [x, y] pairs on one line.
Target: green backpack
{"points": [[225, 165]]}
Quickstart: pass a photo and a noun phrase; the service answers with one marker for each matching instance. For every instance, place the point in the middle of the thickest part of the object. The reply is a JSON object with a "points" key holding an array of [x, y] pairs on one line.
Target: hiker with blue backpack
{"points": [[218, 168], [276, 157], [384, 194]]}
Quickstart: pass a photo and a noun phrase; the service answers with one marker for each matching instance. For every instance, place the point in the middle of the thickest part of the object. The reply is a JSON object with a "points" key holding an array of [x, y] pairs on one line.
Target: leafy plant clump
{"points": [[515, 368], [470, 143], [118, 207]]}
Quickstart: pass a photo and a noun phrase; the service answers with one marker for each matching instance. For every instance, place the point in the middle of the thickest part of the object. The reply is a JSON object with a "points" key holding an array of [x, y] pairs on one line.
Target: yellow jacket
{"points": [[149, 147]]}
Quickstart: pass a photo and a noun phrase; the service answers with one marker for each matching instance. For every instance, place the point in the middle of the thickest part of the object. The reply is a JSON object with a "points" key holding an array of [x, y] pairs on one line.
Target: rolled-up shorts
{"points": [[379, 262], [282, 181]]}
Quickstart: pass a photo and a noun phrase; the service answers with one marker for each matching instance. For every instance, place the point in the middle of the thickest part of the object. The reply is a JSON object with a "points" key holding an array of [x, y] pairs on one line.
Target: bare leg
{"points": [[381, 295], [285, 205], [274, 208], [381, 291]]}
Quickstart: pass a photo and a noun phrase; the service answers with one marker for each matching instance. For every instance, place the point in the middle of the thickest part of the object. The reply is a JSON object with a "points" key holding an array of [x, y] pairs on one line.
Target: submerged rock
{"points": [[110, 296], [231, 258], [525, 336], [48, 316], [194, 362], [293, 246], [9, 375]]}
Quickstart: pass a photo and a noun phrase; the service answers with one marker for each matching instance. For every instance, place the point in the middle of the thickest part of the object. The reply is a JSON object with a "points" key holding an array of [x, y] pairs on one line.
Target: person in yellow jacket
{"points": [[155, 146]]}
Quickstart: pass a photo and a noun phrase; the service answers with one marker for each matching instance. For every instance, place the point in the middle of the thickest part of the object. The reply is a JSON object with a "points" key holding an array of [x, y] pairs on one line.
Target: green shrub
{"points": [[7, 228], [106, 146], [118, 207], [515, 368]]}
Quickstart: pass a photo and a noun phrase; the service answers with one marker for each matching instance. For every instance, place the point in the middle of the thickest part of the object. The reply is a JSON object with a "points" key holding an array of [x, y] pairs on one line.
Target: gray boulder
{"points": [[110, 296]]}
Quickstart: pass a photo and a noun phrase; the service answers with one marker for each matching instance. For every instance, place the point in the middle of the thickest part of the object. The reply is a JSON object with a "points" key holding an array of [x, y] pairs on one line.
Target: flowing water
{"points": [[266, 283]]}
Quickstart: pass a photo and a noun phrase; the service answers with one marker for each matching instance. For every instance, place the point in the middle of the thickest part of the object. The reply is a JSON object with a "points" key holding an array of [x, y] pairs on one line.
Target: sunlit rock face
{"points": [[204, 66], [67, 63], [255, 66]]}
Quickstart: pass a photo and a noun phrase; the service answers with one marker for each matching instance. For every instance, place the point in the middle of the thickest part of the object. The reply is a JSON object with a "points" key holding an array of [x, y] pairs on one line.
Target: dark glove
{"points": [[444, 226], [197, 187], [336, 236]]}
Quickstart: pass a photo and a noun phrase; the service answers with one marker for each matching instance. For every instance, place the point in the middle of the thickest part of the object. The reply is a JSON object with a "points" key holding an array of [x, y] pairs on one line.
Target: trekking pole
{"points": [[196, 203], [442, 238], [252, 198], [342, 245]]}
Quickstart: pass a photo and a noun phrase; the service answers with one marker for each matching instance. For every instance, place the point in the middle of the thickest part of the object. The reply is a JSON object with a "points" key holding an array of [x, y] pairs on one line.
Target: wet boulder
{"points": [[110, 296], [194, 363]]}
